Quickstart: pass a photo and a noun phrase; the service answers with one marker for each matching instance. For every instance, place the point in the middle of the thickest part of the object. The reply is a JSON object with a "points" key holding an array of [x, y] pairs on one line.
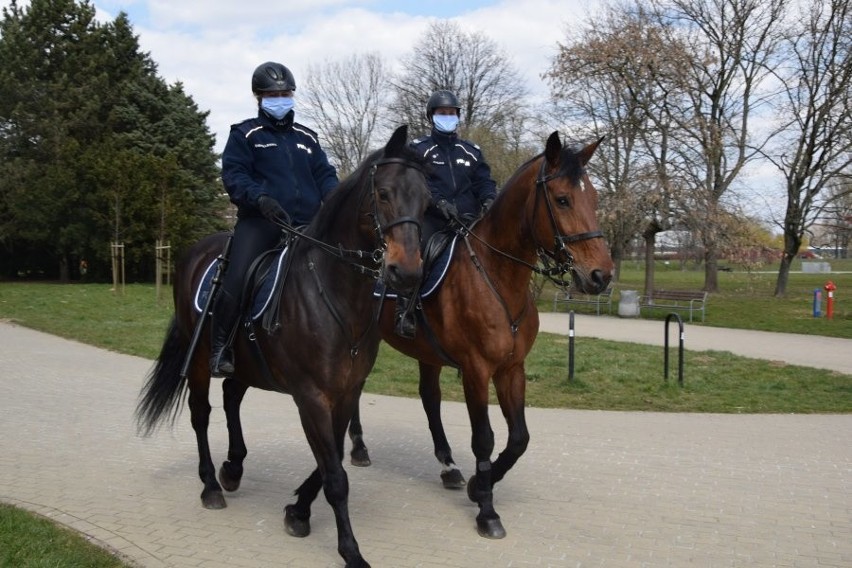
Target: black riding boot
{"points": [[225, 314], [406, 322]]}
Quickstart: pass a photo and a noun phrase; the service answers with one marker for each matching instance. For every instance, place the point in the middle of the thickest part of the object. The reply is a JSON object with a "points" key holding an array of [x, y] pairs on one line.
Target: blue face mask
{"points": [[446, 122], [277, 107]]}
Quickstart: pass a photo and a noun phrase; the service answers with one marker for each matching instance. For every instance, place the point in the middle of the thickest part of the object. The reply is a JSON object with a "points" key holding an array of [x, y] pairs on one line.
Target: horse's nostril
{"points": [[401, 280], [600, 281]]}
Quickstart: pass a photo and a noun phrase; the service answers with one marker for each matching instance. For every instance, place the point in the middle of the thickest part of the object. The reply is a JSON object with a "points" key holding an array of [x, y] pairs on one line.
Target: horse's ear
{"points": [[397, 141], [586, 153], [553, 148]]}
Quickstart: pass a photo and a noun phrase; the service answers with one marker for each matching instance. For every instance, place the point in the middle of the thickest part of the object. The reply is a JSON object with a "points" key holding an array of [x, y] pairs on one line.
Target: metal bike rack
{"points": [[679, 351]]}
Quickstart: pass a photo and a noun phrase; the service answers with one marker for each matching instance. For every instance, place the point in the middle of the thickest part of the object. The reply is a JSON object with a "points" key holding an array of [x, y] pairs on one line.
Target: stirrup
{"points": [[406, 326], [221, 364]]}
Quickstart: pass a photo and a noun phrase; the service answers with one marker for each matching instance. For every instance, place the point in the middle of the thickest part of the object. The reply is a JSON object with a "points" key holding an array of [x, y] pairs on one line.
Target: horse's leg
{"points": [[510, 385], [359, 455], [326, 435], [479, 486], [199, 407], [430, 396], [231, 471]]}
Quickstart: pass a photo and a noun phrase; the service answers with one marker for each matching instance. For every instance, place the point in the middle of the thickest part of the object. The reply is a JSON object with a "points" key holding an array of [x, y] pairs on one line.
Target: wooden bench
{"points": [[571, 297], [675, 300]]}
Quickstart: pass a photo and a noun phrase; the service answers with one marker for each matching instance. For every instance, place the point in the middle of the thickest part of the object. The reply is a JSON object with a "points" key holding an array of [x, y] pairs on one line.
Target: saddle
{"points": [[261, 289]]}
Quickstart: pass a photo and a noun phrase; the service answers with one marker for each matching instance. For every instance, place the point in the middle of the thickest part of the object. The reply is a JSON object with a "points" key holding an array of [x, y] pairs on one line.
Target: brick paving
{"points": [[616, 489]]}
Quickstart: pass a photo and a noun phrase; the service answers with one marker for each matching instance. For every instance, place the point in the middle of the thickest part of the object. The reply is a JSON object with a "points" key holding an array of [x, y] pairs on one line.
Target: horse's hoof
{"points": [[213, 499], [359, 563], [452, 479], [360, 457], [490, 528], [229, 481], [295, 526]]}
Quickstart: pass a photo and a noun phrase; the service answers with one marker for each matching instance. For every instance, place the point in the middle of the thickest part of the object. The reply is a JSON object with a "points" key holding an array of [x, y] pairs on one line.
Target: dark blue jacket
{"points": [[281, 159], [459, 172]]}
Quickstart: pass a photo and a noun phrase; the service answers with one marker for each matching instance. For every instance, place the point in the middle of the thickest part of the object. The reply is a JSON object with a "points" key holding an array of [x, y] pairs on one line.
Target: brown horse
{"points": [[483, 321], [368, 227]]}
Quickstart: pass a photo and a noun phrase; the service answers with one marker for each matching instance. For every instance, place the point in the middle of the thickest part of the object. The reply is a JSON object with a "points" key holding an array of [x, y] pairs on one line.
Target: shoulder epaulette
{"points": [[246, 126], [306, 131], [469, 143]]}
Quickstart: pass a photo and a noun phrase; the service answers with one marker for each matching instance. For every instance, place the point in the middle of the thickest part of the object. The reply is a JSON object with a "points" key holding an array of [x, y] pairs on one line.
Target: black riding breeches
{"points": [[252, 236]]}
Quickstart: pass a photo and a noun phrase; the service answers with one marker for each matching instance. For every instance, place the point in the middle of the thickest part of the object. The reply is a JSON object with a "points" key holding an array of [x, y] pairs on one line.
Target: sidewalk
{"points": [[613, 489], [806, 350]]}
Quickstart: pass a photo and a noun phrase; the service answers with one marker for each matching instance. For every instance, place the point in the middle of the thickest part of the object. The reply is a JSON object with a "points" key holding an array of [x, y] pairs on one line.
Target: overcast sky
{"points": [[212, 46]]}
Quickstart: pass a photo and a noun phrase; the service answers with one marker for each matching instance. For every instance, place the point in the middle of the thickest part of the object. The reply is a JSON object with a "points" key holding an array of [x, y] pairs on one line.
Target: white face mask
{"points": [[277, 107], [446, 122]]}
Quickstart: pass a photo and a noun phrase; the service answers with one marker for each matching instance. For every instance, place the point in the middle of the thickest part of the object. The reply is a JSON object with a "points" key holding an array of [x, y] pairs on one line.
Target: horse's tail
{"points": [[162, 393]]}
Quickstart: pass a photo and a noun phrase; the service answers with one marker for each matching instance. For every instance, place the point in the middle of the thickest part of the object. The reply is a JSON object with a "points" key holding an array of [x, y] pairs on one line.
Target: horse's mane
{"points": [[352, 186], [569, 166]]}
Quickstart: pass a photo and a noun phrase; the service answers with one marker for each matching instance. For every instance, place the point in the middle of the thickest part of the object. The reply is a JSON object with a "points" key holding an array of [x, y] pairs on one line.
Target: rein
{"points": [[554, 269], [352, 257], [346, 255]]}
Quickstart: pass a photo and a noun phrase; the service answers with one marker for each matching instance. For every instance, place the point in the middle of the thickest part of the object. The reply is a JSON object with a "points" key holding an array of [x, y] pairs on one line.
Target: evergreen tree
{"points": [[94, 147]]}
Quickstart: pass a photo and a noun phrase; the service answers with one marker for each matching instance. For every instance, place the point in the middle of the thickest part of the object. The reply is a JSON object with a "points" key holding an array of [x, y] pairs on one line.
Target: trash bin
{"points": [[628, 304]]}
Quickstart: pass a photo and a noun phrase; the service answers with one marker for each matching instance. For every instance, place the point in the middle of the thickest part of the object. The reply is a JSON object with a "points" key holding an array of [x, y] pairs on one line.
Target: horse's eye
{"points": [[384, 195], [563, 201]]}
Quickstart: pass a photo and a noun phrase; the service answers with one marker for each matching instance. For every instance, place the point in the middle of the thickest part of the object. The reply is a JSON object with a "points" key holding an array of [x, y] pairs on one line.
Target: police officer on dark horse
{"points": [[273, 169]]}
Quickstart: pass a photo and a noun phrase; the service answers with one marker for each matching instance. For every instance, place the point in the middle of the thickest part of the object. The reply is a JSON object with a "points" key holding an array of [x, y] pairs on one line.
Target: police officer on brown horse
{"points": [[459, 180]]}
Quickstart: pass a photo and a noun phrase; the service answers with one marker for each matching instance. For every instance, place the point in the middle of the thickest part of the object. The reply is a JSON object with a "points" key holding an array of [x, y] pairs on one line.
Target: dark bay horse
{"points": [[483, 321], [329, 339]]}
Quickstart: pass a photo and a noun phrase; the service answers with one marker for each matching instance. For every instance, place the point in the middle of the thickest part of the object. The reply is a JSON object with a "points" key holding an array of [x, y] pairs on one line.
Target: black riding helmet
{"points": [[442, 99], [270, 77]]}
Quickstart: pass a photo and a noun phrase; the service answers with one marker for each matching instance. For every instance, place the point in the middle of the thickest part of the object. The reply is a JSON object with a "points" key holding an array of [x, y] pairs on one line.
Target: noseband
{"points": [[555, 267]]}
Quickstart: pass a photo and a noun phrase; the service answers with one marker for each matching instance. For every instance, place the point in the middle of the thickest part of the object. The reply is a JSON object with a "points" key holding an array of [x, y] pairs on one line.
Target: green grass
{"points": [[608, 375], [31, 541]]}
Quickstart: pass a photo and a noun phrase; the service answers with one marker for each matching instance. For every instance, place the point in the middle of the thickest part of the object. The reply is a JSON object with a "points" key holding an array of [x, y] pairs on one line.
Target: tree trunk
{"points": [[783, 276], [650, 237], [650, 241], [792, 242], [64, 275], [617, 254], [711, 268]]}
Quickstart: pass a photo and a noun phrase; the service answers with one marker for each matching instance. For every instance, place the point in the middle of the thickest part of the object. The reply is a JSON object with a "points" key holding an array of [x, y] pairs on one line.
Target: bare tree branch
{"points": [[344, 100]]}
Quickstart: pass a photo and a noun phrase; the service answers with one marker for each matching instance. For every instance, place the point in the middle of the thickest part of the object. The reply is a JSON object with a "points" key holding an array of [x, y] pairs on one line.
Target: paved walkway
{"points": [[615, 489]]}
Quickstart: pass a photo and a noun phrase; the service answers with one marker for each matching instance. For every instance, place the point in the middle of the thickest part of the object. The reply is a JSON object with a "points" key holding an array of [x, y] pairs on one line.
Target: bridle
{"points": [[559, 261], [382, 230], [553, 267]]}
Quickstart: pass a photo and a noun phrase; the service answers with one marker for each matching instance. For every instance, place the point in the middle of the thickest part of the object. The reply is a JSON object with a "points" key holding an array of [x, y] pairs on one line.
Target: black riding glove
{"points": [[447, 209], [271, 209]]}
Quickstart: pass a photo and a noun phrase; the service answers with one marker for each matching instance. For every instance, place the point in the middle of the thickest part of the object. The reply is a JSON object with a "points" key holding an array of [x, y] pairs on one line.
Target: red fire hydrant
{"points": [[829, 302]]}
